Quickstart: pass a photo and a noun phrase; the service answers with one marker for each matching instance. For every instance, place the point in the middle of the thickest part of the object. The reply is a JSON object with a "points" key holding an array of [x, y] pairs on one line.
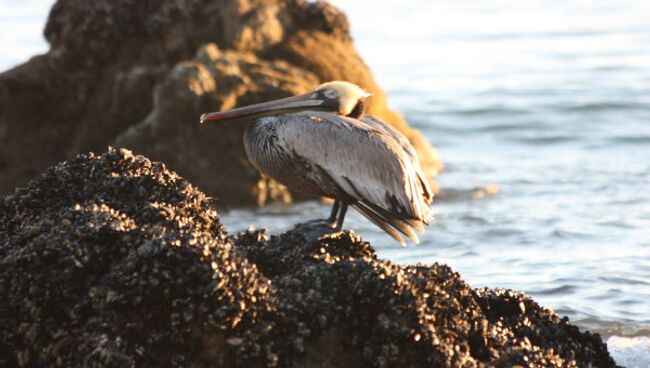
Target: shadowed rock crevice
{"points": [[113, 260], [140, 73]]}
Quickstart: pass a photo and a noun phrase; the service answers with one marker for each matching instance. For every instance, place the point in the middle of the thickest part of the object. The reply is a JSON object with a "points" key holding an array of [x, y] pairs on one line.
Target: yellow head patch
{"points": [[348, 94]]}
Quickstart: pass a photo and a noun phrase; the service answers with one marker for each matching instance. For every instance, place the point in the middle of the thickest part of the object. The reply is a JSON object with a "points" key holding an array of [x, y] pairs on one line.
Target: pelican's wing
{"points": [[375, 123], [406, 146], [368, 165]]}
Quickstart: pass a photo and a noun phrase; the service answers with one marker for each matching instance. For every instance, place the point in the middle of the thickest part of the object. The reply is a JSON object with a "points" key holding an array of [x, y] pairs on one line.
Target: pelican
{"points": [[321, 143]]}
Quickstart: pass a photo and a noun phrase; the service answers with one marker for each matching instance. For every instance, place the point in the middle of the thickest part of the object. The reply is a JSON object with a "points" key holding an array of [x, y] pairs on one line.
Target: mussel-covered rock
{"points": [[113, 260]]}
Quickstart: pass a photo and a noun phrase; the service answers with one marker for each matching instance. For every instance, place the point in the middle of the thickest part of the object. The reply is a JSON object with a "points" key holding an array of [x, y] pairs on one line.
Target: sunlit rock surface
{"points": [[114, 260], [140, 73]]}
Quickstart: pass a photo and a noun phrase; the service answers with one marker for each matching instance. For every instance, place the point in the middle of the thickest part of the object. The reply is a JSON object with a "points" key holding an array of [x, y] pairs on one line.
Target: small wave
{"points": [[631, 139], [565, 234], [623, 280], [612, 328], [487, 111], [544, 140], [602, 107], [559, 290], [501, 232], [619, 223], [509, 127], [473, 219]]}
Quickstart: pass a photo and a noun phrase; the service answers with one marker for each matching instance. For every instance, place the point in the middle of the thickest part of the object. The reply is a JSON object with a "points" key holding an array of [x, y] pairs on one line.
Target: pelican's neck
{"points": [[358, 110]]}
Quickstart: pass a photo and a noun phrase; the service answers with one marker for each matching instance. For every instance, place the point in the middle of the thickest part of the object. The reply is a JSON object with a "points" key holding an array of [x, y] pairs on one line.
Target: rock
{"points": [[139, 74], [113, 260]]}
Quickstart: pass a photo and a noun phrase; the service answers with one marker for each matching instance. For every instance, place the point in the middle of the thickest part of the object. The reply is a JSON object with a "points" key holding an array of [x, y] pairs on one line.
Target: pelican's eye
{"points": [[331, 93]]}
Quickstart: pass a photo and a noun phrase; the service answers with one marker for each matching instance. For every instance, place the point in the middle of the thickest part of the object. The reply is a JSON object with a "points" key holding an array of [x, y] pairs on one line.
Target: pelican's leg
{"points": [[332, 220], [341, 216]]}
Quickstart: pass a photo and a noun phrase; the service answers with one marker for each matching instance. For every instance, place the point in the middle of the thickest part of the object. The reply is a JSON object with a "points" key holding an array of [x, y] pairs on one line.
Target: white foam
{"points": [[630, 352]]}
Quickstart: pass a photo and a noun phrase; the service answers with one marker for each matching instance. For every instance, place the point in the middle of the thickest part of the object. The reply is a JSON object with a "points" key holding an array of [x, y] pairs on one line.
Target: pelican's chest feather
{"points": [[265, 148], [272, 153]]}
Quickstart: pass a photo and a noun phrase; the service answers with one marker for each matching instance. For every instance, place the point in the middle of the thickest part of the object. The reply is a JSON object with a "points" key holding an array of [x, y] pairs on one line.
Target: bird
{"points": [[322, 143]]}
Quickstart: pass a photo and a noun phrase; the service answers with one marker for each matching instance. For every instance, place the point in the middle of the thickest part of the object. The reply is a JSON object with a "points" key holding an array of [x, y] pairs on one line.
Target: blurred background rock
{"points": [[139, 74]]}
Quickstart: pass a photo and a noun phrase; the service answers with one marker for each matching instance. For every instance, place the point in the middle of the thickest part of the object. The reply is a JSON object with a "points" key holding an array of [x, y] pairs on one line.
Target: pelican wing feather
{"points": [[368, 161]]}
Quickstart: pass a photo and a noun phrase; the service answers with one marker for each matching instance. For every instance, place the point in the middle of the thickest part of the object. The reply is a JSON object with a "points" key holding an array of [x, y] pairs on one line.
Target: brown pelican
{"points": [[321, 143]]}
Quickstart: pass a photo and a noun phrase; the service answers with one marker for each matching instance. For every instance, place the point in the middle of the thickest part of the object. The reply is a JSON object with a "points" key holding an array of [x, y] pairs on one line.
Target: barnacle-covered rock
{"points": [[113, 260], [386, 315]]}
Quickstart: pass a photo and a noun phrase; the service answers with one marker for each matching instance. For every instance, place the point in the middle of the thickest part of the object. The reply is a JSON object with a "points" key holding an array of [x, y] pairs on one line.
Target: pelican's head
{"points": [[338, 97], [349, 96]]}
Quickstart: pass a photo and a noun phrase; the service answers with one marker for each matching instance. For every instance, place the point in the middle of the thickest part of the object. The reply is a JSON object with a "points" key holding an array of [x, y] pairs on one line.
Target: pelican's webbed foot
{"points": [[314, 229]]}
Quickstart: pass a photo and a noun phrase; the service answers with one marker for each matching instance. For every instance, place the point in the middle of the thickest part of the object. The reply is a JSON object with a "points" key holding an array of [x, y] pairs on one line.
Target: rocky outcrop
{"points": [[114, 260], [139, 74]]}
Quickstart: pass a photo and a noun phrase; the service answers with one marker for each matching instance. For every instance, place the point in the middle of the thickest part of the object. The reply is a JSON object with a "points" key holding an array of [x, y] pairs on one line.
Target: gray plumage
{"points": [[364, 163]]}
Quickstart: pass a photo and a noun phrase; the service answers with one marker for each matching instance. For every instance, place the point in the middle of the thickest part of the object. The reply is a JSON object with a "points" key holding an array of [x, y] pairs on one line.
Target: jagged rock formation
{"points": [[113, 260], [139, 74]]}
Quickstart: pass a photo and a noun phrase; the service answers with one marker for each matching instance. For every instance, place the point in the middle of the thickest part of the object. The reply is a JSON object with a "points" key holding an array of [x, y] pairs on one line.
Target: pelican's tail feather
{"points": [[387, 221]]}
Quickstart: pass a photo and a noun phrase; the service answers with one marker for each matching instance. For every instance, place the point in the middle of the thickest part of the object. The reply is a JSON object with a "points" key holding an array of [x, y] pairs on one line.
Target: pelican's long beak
{"points": [[308, 101]]}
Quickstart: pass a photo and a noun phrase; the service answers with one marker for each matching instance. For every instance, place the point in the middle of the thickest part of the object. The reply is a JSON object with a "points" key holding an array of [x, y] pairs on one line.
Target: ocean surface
{"points": [[549, 100]]}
